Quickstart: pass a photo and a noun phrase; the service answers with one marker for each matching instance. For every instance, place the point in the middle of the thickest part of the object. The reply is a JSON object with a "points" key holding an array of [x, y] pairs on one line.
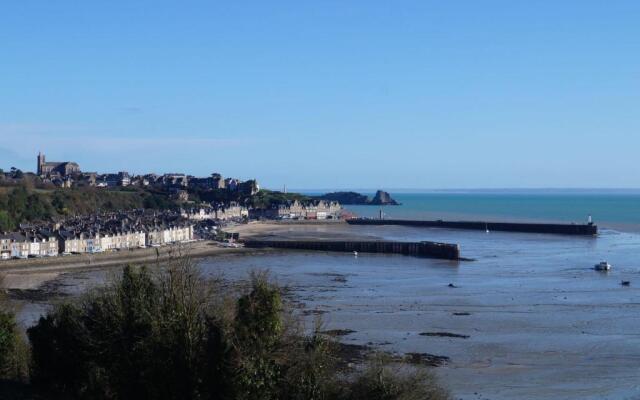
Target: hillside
{"points": [[21, 204]]}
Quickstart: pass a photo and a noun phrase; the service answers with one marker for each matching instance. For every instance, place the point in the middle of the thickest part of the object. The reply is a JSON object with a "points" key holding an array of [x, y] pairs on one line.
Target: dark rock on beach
{"points": [[444, 334], [427, 359], [338, 332]]}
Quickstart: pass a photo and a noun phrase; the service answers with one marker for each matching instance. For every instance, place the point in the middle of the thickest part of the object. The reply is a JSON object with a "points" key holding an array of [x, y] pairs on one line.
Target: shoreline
{"points": [[17, 271], [31, 273]]}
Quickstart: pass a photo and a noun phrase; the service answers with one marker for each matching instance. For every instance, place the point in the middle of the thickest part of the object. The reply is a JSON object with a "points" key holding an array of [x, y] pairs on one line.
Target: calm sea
{"points": [[619, 210]]}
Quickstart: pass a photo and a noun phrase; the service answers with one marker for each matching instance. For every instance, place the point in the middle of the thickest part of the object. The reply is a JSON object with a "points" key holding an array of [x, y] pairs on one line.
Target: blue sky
{"points": [[328, 94]]}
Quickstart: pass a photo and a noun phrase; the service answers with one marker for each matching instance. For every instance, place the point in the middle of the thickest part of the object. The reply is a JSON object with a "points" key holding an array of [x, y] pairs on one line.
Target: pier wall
{"points": [[561, 229], [421, 249]]}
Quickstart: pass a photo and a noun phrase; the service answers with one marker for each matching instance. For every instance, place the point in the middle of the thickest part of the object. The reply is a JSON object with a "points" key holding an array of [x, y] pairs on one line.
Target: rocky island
{"points": [[381, 198]]}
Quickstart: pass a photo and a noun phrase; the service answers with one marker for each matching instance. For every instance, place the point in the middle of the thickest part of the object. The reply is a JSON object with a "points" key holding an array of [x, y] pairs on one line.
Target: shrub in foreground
{"points": [[173, 335], [13, 349]]}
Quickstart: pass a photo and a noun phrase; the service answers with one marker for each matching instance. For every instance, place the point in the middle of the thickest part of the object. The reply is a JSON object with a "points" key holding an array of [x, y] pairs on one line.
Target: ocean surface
{"points": [[616, 209]]}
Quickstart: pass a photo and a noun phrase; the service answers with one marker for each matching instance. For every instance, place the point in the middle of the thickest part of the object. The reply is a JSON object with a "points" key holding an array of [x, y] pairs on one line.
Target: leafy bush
{"points": [[384, 381], [175, 335], [13, 349]]}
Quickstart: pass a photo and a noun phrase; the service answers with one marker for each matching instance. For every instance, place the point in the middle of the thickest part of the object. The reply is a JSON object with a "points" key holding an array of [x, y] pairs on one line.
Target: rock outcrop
{"points": [[352, 198], [383, 198]]}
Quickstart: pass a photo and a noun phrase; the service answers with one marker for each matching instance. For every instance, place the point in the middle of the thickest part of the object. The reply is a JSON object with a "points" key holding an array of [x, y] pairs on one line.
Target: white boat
{"points": [[602, 266], [355, 254]]}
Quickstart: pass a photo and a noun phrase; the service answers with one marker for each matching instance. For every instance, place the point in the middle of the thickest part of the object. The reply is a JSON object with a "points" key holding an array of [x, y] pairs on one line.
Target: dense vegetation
{"points": [[21, 204], [267, 198], [175, 335], [13, 350], [263, 199], [346, 197], [27, 202]]}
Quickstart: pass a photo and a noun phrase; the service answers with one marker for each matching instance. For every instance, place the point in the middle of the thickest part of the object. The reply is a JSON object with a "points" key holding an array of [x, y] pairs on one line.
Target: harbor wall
{"points": [[561, 229], [421, 249]]}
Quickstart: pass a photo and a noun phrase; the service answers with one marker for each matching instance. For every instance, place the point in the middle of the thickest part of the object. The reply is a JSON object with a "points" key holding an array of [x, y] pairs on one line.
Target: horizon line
{"points": [[541, 188]]}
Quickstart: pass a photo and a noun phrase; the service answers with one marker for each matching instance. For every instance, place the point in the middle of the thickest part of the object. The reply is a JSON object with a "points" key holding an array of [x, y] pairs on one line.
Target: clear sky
{"points": [[328, 94]]}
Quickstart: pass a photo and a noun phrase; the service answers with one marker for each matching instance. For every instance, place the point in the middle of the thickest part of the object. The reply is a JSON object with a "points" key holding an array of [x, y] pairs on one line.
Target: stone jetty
{"points": [[445, 251]]}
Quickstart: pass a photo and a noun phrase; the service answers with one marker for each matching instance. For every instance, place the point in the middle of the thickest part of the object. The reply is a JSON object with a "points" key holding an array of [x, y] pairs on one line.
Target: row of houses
{"points": [[318, 209], [164, 181], [232, 211], [18, 245], [46, 243]]}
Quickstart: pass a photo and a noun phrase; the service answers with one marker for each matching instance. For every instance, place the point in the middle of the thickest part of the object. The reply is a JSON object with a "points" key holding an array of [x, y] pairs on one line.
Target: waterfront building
{"points": [[319, 209], [200, 214], [122, 240], [19, 246], [48, 243], [232, 211], [5, 246], [160, 236], [70, 242]]}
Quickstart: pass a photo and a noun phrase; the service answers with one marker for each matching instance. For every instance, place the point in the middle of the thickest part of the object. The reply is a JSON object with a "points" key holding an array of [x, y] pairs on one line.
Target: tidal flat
{"points": [[529, 318]]}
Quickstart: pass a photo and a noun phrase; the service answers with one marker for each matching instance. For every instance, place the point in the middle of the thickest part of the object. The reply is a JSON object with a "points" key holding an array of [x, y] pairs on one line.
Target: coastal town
{"points": [[125, 229]]}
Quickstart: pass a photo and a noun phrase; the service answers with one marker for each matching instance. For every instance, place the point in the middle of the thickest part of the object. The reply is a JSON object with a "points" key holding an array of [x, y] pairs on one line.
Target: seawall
{"points": [[560, 229], [420, 249]]}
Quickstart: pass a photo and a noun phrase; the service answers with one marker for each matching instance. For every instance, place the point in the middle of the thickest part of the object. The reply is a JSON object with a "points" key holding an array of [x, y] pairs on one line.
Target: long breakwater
{"points": [[420, 249], [561, 229]]}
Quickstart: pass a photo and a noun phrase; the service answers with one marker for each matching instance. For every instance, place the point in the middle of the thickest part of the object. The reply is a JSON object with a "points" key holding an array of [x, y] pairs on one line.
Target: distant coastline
{"points": [[381, 198], [568, 191]]}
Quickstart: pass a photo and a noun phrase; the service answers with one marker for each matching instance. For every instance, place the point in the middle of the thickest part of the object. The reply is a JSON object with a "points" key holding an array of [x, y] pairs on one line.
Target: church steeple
{"points": [[40, 163]]}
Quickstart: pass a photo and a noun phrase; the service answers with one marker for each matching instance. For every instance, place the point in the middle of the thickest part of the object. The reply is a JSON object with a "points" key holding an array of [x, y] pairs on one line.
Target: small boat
{"points": [[355, 254], [602, 266], [625, 283]]}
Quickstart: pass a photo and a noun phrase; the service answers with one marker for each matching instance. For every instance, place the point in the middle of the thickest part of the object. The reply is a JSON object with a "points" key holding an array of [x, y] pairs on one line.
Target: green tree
{"points": [[61, 360], [13, 350], [141, 338], [258, 328], [172, 335], [6, 222]]}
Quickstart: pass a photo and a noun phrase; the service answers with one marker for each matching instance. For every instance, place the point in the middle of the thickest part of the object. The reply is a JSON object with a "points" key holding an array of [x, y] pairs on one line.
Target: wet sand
{"points": [[300, 230]]}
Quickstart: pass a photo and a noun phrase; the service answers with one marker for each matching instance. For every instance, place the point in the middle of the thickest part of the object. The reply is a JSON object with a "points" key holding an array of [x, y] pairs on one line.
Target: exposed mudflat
{"points": [[530, 318]]}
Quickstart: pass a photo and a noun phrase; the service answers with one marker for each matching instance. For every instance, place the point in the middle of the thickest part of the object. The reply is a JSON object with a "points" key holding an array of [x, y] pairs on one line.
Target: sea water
{"points": [[542, 323], [619, 209]]}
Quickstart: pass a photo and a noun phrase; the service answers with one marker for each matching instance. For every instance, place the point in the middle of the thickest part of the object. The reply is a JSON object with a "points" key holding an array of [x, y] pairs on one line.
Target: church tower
{"points": [[40, 163]]}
